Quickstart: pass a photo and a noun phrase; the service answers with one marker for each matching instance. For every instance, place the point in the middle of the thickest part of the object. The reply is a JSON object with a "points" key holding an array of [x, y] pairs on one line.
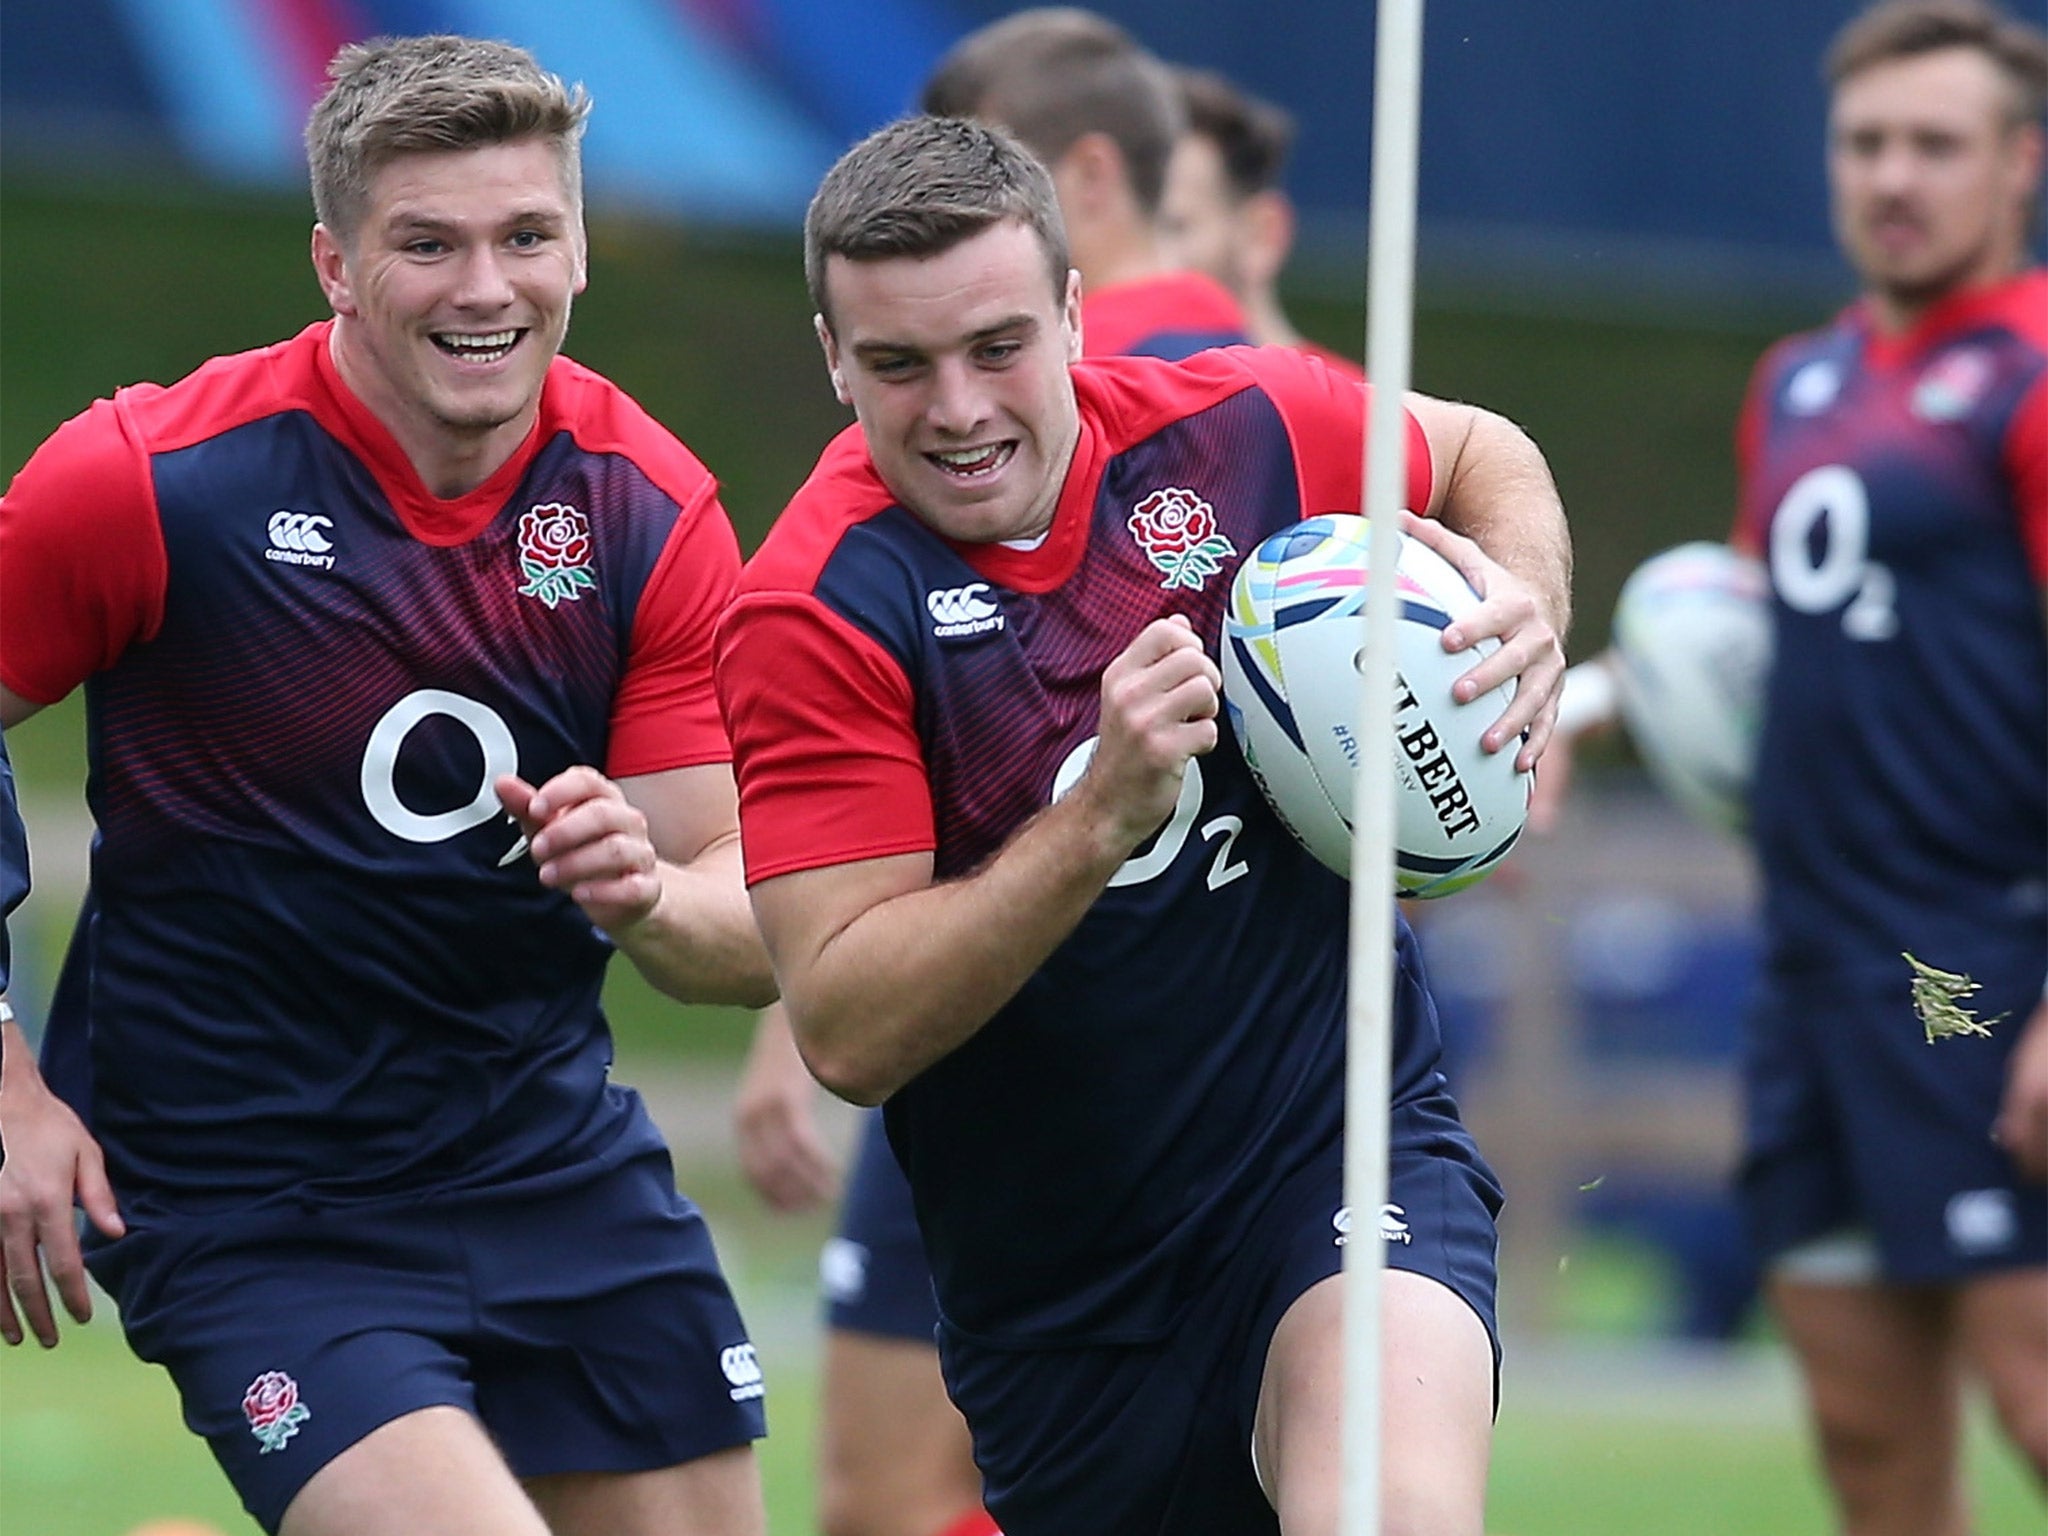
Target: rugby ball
{"points": [[1293, 638], [1692, 650]]}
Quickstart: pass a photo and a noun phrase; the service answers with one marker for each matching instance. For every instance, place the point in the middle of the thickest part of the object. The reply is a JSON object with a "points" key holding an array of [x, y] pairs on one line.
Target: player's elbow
{"points": [[850, 1076], [845, 1064]]}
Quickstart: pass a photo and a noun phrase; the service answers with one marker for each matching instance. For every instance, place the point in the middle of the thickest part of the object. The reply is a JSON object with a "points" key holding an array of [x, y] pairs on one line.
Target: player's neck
{"points": [[1896, 310], [1107, 256], [451, 459], [1267, 324]]}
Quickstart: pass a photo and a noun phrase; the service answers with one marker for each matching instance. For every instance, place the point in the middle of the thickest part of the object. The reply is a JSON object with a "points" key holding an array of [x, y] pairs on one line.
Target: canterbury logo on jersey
{"points": [[742, 1370], [300, 538], [959, 611]]}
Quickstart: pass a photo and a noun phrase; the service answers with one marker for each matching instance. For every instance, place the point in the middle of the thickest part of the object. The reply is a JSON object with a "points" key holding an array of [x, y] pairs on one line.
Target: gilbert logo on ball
{"points": [[1293, 641]]}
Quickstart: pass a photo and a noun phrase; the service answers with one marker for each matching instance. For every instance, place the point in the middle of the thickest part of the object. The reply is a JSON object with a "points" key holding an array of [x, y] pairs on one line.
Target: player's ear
{"points": [[1269, 223], [2026, 158], [330, 265], [1089, 177], [830, 344], [1071, 313]]}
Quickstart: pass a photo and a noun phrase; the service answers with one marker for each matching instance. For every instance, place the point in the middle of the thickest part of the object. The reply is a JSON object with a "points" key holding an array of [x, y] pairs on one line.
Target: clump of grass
{"points": [[1937, 998]]}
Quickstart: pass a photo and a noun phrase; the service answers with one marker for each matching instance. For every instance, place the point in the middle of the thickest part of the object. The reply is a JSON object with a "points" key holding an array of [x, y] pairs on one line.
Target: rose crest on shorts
{"points": [[554, 553], [272, 1407], [1177, 531]]}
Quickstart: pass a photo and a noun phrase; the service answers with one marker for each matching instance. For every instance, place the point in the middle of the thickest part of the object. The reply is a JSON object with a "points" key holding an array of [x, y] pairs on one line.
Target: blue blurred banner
{"points": [[1577, 140]]}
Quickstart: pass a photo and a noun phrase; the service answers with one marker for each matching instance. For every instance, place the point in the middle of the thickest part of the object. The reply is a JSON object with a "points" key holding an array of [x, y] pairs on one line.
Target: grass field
{"points": [[1603, 1431], [1607, 1445]]}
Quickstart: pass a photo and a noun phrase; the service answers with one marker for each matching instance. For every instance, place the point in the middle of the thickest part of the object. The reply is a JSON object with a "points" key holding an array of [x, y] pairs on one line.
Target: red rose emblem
{"points": [[1172, 522], [269, 1399], [554, 553], [554, 537], [1177, 531]]}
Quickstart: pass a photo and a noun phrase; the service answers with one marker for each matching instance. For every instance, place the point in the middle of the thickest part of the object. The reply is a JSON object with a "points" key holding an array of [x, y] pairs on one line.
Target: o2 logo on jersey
{"points": [[380, 768], [1830, 508], [1149, 863]]}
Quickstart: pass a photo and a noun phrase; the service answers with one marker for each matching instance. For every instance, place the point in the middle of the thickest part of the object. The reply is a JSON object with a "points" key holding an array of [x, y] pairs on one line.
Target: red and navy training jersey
{"points": [[889, 691], [1898, 489], [1172, 315], [317, 963]]}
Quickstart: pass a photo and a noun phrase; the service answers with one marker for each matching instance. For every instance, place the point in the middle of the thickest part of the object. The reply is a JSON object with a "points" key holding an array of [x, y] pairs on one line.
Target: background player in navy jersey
{"points": [[1894, 479], [326, 1069], [1104, 115], [1109, 1033]]}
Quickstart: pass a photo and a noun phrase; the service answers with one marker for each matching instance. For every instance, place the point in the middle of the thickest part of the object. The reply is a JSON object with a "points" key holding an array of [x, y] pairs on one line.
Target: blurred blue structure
{"points": [[1599, 144], [1652, 984]]}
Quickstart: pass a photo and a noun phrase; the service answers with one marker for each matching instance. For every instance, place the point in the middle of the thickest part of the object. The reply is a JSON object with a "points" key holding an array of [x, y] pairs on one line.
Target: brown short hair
{"points": [[1902, 29], [1054, 73], [396, 96], [1252, 135], [921, 186]]}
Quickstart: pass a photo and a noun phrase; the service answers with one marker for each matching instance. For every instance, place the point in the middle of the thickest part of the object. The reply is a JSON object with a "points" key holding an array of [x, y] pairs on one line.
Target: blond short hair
{"points": [[1904, 29], [395, 96]]}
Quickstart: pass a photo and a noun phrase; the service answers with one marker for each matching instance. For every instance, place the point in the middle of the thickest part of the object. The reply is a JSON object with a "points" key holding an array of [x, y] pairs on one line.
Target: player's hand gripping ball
{"points": [[1293, 642]]}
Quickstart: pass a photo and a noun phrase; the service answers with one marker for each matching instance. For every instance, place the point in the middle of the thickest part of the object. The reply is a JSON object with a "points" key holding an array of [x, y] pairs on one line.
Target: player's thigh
{"points": [[1436, 1406], [714, 1495], [433, 1472], [895, 1453], [2002, 1326]]}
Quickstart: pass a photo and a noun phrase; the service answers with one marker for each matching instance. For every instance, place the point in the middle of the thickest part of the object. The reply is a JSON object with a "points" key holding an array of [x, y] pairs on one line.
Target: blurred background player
{"points": [[1104, 116], [1894, 480], [327, 1068], [1226, 211], [1136, 1289]]}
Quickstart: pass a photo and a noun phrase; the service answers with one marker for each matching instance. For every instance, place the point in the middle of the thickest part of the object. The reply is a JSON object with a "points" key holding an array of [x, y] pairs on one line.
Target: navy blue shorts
{"points": [[584, 1321], [1855, 1121], [1155, 1439], [873, 1270]]}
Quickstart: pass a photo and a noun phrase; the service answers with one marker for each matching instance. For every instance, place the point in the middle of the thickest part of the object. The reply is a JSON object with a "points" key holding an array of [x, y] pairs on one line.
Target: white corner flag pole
{"points": [[1390, 290]]}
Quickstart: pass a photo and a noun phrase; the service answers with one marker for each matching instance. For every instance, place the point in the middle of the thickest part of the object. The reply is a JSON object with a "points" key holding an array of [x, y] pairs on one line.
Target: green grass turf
{"points": [[90, 1445]]}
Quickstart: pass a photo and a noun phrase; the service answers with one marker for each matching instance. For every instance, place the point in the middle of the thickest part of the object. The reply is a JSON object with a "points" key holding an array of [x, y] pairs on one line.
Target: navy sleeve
{"points": [[13, 856]]}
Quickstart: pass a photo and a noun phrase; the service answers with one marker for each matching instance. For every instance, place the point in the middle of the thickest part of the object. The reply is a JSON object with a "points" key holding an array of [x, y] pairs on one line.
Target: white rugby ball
{"points": [[1692, 645], [1292, 641]]}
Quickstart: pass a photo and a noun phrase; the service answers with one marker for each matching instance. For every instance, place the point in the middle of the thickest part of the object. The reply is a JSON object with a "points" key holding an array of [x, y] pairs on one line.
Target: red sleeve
{"points": [[824, 742], [666, 712], [1751, 521], [82, 563], [1325, 410], [2026, 461]]}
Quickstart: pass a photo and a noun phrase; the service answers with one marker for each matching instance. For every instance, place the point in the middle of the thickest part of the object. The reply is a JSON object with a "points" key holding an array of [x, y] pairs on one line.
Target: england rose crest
{"points": [[272, 1407], [554, 553], [1177, 531]]}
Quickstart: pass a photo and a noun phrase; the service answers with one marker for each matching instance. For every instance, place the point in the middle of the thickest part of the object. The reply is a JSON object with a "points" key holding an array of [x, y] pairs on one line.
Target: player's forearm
{"points": [[913, 977], [1499, 493], [699, 944]]}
